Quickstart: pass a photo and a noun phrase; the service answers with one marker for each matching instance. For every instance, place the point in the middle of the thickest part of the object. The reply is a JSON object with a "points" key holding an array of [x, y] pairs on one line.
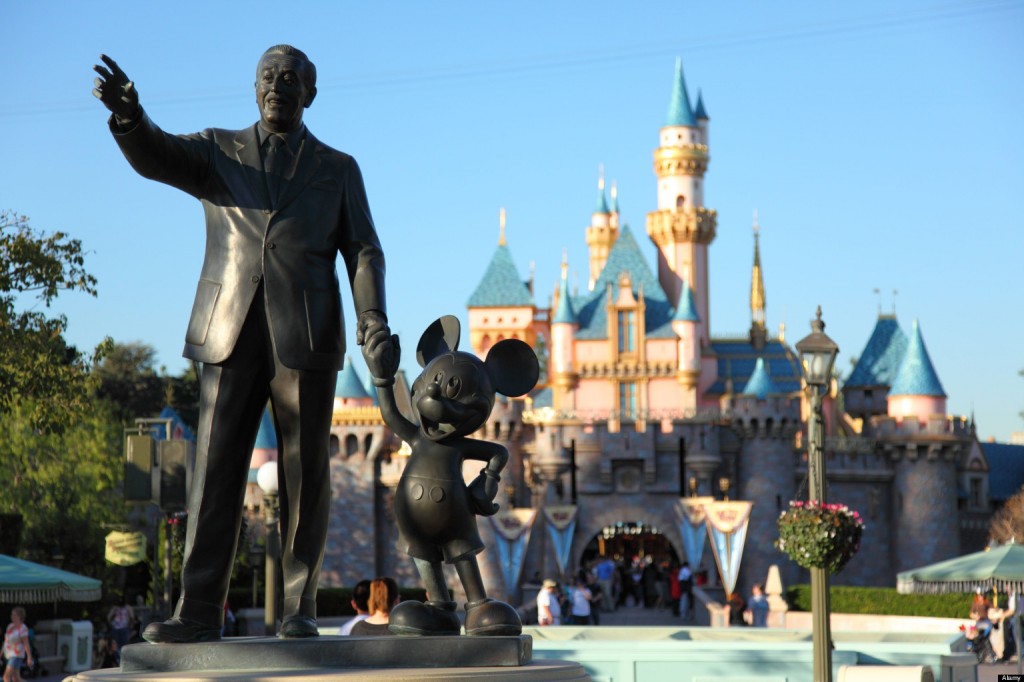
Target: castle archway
{"points": [[626, 532], [633, 541]]}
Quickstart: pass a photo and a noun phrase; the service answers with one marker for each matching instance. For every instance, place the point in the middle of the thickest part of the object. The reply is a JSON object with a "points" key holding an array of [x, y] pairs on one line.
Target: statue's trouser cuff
{"points": [[299, 606], [200, 612]]}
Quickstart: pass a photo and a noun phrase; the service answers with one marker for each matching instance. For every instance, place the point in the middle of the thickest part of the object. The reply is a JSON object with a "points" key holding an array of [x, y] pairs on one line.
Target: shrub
{"points": [[883, 601]]}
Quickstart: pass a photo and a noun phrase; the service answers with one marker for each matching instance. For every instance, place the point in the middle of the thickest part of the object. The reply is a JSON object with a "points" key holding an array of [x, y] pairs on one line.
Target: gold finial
{"points": [[565, 263], [615, 190], [600, 176], [501, 227], [757, 297], [782, 332]]}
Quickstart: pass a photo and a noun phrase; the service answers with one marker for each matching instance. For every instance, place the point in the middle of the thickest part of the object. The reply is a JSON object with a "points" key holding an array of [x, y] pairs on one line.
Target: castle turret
{"points": [[682, 228], [564, 373], [502, 305], [916, 390], [350, 391], [702, 118], [685, 324], [759, 384], [758, 331], [866, 390], [602, 231]]}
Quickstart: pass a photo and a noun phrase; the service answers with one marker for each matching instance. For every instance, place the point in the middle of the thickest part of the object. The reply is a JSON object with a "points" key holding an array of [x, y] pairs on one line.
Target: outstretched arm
{"points": [[182, 161]]}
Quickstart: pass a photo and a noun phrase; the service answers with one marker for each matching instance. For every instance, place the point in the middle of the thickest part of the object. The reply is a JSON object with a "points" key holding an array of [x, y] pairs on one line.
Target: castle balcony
{"points": [[357, 416], [615, 420], [693, 224], [687, 159], [933, 426]]}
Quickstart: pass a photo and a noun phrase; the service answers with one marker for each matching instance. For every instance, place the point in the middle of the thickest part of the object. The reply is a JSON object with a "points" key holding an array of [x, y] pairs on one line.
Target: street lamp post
{"points": [[266, 477], [817, 355]]}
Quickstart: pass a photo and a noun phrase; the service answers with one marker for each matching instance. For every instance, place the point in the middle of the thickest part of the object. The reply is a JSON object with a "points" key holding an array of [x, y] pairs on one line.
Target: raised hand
{"points": [[117, 93]]}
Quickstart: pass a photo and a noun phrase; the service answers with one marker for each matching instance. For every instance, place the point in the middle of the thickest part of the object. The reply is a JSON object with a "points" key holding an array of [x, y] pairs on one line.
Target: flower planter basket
{"points": [[817, 535]]}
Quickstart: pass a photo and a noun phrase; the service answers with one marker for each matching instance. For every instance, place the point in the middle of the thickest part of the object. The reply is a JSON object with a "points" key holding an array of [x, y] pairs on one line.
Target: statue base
{"points": [[382, 659]]}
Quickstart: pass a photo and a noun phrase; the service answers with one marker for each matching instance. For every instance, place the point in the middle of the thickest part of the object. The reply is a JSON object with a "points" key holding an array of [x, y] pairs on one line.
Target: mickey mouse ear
{"points": [[513, 367], [442, 336]]}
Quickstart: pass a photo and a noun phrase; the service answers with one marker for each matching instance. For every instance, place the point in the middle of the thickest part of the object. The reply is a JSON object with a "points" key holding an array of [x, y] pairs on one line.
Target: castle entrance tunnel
{"points": [[642, 556]]}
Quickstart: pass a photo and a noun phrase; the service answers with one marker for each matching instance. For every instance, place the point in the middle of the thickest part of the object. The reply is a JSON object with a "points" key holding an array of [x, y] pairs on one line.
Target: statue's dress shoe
{"points": [[180, 631], [425, 619], [490, 618], [295, 627]]}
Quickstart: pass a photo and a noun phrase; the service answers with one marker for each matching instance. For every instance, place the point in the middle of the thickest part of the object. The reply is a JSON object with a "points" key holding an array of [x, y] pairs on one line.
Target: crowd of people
{"points": [[607, 584]]}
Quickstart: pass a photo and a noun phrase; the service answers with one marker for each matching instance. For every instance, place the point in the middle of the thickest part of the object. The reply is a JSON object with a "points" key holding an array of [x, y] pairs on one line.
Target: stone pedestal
{"points": [[383, 659]]}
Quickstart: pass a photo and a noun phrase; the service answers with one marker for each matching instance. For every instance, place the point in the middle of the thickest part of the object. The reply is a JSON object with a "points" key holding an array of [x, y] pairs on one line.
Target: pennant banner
{"points": [[512, 529], [561, 523], [727, 526], [690, 511]]}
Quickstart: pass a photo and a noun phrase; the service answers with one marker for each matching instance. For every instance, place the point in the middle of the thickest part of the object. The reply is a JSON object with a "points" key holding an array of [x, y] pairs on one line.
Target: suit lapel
{"points": [[306, 165], [247, 151]]}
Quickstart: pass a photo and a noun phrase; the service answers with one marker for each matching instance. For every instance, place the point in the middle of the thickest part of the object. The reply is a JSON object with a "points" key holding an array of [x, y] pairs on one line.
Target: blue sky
{"points": [[880, 142]]}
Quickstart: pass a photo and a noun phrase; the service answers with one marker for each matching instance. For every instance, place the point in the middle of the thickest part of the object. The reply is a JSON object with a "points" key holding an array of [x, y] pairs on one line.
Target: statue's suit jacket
{"points": [[290, 246]]}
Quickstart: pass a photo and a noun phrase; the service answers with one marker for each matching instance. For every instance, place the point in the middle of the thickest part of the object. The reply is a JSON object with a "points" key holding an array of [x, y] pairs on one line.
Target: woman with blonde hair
{"points": [[383, 597]]}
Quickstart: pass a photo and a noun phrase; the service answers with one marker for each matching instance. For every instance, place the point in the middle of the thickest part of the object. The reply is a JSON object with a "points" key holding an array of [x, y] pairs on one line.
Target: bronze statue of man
{"points": [[266, 322]]}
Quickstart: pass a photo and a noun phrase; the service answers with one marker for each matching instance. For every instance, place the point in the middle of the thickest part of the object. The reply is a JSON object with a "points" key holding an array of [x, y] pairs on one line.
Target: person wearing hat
{"points": [[548, 610]]}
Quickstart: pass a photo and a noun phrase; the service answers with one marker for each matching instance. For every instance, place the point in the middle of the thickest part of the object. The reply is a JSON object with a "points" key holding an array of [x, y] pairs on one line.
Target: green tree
{"points": [[67, 485], [39, 372], [127, 376]]}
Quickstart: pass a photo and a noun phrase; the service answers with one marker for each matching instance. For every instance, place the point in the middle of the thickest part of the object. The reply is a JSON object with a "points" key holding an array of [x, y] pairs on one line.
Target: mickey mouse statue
{"points": [[434, 507]]}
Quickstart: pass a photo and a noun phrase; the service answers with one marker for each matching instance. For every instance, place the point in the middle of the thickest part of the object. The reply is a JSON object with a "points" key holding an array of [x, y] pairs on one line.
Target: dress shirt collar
{"points": [[292, 139]]}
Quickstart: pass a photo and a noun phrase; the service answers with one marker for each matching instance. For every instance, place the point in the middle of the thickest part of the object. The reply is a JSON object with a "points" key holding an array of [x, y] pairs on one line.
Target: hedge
{"points": [[884, 601]]}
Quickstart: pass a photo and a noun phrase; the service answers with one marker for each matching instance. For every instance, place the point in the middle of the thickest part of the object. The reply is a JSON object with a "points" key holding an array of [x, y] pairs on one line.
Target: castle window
{"points": [[680, 201], [627, 331], [975, 484], [627, 399], [351, 445]]}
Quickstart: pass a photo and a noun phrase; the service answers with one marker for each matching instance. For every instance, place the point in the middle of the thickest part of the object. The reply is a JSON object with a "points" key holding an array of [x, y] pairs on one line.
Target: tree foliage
{"points": [[39, 371], [67, 485], [1008, 523]]}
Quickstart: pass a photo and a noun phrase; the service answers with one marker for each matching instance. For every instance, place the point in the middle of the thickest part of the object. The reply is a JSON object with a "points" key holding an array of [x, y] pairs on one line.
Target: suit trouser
{"points": [[233, 395]]}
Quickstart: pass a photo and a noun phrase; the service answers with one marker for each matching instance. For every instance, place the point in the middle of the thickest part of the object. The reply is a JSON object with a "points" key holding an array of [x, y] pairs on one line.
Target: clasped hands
{"points": [[381, 349]]}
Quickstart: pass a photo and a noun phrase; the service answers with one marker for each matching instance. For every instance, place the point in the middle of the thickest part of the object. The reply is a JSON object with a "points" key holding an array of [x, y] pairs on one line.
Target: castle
{"points": [[643, 405]]}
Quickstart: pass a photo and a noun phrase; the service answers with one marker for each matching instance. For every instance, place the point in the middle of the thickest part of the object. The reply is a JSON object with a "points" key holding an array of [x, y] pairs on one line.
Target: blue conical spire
{"points": [[700, 114], [565, 313], [679, 111], [760, 384], [916, 375], [349, 385], [686, 311], [266, 437]]}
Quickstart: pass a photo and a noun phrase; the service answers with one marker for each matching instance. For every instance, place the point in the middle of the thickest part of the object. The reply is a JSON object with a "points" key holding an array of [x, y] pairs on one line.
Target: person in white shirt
{"points": [[581, 598], [360, 602], [548, 610]]}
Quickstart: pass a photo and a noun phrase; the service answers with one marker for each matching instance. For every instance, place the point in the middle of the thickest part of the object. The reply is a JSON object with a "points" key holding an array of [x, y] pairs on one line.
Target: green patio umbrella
{"points": [[24, 582], [1001, 567]]}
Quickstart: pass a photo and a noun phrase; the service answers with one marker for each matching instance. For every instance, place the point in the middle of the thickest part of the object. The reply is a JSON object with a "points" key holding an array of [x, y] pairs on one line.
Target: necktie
{"points": [[276, 165]]}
